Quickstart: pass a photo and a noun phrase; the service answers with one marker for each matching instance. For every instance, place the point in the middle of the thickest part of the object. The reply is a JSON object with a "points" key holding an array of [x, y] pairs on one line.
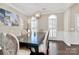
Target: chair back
{"points": [[10, 44]]}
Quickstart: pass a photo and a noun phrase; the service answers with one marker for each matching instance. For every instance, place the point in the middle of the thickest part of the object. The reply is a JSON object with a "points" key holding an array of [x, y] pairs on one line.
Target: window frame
{"points": [[53, 26]]}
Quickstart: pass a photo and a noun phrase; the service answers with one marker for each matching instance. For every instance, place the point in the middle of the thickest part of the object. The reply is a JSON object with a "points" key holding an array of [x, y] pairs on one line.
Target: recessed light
{"points": [[43, 8]]}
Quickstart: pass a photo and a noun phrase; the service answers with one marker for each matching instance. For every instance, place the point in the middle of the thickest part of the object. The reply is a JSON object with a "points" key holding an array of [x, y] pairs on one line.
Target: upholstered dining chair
{"points": [[43, 47], [9, 44], [1, 44]]}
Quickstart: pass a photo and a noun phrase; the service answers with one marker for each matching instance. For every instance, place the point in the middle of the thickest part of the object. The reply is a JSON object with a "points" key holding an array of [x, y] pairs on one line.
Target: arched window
{"points": [[52, 25]]}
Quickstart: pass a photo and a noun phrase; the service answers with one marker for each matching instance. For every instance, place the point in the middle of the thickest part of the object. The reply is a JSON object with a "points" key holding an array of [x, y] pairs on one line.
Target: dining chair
{"points": [[1, 44], [43, 46], [10, 44]]}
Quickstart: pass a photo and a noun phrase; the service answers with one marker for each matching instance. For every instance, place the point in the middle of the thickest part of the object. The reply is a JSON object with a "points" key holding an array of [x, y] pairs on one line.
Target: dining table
{"points": [[32, 41]]}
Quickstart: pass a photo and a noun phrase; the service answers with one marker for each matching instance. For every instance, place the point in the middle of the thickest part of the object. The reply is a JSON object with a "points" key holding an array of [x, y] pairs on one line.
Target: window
{"points": [[52, 19], [77, 22], [34, 23]]}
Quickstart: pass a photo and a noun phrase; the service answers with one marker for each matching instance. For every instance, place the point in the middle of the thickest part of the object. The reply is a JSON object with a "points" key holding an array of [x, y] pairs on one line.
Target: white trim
{"points": [[76, 22], [17, 9]]}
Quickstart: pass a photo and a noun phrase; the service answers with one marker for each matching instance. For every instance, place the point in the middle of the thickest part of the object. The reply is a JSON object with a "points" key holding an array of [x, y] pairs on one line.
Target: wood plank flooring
{"points": [[63, 49]]}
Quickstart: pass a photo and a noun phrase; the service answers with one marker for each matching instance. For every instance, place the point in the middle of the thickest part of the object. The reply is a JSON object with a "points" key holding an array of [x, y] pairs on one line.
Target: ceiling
{"points": [[30, 9]]}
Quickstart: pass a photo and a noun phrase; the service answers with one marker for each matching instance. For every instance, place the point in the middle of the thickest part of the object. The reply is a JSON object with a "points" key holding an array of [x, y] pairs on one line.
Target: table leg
{"points": [[36, 50]]}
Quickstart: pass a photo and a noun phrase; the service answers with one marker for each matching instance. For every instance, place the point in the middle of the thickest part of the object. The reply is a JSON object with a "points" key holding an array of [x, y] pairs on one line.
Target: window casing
{"points": [[52, 25], [34, 24], [77, 22]]}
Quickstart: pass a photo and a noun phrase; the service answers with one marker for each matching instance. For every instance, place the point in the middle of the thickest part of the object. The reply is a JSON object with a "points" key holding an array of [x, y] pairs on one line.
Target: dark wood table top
{"points": [[37, 39], [33, 40]]}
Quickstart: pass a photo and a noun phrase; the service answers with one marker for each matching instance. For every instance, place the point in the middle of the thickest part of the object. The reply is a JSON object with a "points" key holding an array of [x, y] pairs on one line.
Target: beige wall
{"points": [[44, 22], [24, 20], [62, 17], [70, 34], [67, 18], [71, 17], [74, 10], [60, 22]]}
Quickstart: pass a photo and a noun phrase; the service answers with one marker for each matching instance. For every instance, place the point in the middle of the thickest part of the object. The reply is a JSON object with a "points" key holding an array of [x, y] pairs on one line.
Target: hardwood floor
{"points": [[60, 48], [63, 49], [24, 51]]}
